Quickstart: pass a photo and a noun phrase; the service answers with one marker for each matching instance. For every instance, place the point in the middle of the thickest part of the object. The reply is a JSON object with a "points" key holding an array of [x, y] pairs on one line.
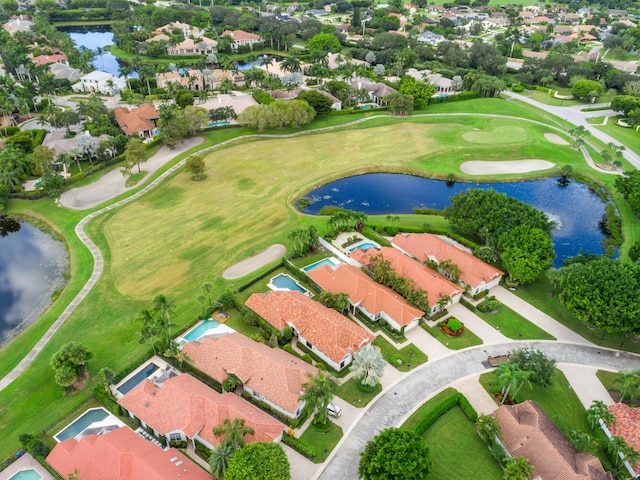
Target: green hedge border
{"points": [[456, 399]]}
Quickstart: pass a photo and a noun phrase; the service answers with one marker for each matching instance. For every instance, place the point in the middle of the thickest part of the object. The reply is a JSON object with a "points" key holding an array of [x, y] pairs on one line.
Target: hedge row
{"points": [[371, 234], [109, 403], [454, 98], [466, 303], [443, 407], [299, 446], [258, 278]]}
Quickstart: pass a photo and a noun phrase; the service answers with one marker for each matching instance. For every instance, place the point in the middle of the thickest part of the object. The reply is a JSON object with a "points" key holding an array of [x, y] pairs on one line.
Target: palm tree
{"points": [[630, 385], [318, 394], [219, 460], [368, 365], [174, 351], [166, 309], [150, 328], [583, 442], [488, 428], [100, 51], [125, 71], [233, 432], [615, 446], [267, 62], [599, 411], [517, 468], [511, 376], [147, 72], [291, 64]]}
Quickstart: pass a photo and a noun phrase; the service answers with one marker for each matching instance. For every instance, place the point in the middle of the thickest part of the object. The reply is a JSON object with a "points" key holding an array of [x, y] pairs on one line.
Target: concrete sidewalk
{"points": [[585, 383]]}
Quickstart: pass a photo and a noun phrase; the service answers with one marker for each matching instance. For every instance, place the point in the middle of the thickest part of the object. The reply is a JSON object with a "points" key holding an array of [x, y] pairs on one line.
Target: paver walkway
{"points": [[393, 405]]}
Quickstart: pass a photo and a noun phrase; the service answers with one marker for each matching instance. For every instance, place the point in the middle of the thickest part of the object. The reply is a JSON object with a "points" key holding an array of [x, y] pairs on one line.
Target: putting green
{"points": [[186, 232], [501, 135]]}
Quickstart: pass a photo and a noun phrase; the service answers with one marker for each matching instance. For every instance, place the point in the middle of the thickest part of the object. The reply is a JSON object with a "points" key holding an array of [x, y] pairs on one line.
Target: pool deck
{"points": [[25, 462], [155, 359]]}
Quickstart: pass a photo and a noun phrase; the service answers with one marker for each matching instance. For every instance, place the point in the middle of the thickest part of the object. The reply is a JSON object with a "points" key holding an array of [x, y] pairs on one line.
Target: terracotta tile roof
{"points": [[331, 333], [428, 246], [271, 372], [432, 282], [136, 119], [121, 455], [185, 404], [237, 35], [528, 432], [362, 289], [627, 426], [47, 59]]}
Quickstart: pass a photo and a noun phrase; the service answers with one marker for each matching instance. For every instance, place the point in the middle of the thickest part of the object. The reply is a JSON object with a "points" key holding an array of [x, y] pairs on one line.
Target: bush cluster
{"points": [[299, 446]]}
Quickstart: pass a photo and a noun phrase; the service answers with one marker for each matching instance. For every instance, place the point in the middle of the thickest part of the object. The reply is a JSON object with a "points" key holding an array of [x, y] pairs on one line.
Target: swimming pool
{"points": [[218, 124], [146, 372], [330, 262], [81, 423], [283, 281], [364, 246], [30, 474], [199, 330]]}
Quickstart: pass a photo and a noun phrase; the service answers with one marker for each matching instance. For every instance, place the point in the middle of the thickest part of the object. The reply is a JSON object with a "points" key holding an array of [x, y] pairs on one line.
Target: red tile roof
{"points": [[185, 404], [627, 426], [136, 120], [47, 59], [528, 432], [432, 282], [427, 246], [121, 455], [271, 372], [237, 35], [362, 289], [333, 334]]}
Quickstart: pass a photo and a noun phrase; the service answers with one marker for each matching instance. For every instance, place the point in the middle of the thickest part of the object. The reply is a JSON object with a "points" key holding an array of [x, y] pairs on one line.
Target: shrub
{"points": [[299, 446], [454, 324], [489, 304], [287, 334], [518, 88], [178, 443], [307, 358], [288, 348]]}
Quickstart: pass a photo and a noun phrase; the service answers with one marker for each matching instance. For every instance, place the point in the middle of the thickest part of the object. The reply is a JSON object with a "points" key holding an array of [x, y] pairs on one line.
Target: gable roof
{"points": [[136, 119], [627, 426], [272, 372], [427, 246], [237, 35], [121, 455], [185, 404], [363, 290], [528, 432], [432, 282], [331, 333]]}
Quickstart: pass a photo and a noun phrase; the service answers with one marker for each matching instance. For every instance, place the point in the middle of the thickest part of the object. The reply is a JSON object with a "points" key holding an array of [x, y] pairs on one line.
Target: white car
{"points": [[334, 410]]}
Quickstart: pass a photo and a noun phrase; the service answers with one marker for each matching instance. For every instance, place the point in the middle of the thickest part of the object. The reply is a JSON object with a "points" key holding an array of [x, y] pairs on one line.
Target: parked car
{"points": [[334, 410]]}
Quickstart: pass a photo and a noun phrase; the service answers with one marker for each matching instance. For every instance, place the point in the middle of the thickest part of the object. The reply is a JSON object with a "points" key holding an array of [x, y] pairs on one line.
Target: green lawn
{"points": [[457, 451], [184, 233], [595, 120], [415, 418], [559, 401], [467, 339], [352, 393], [544, 97], [322, 442], [627, 136], [514, 325], [612, 381], [400, 358]]}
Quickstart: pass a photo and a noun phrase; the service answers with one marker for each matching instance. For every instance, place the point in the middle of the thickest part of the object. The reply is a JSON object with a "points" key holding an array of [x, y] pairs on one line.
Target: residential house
{"points": [[99, 82], [430, 38], [294, 7], [373, 300], [239, 103], [316, 12], [57, 57], [121, 455], [526, 431], [64, 71], [331, 336], [18, 24], [241, 38], [214, 78], [336, 103], [377, 91], [476, 274], [436, 286], [165, 78], [627, 426], [139, 121], [183, 408], [271, 375], [200, 46], [186, 29]]}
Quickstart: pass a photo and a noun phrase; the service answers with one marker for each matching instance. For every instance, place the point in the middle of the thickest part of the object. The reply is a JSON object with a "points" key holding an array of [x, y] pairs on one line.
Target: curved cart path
{"points": [[97, 255], [393, 406], [112, 184]]}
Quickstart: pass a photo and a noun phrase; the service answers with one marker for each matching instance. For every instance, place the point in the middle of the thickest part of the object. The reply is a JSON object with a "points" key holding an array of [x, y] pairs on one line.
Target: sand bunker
{"points": [[251, 264], [481, 167], [555, 138]]}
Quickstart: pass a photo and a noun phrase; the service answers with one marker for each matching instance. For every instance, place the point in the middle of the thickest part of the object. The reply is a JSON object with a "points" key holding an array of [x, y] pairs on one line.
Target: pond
{"points": [[32, 266], [93, 37], [575, 209]]}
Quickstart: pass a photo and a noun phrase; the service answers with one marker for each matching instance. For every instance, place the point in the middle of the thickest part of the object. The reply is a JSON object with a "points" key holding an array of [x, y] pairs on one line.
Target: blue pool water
{"points": [[146, 372], [441, 95], [200, 330], [77, 427], [364, 246], [324, 261], [365, 107], [285, 282], [30, 474], [217, 124], [575, 209]]}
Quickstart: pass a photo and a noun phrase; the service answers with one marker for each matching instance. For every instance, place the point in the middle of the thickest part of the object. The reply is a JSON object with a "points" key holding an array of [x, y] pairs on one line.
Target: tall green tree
{"points": [[421, 91], [535, 361], [318, 393], [517, 468], [69, 363], [395, 454], [234, 432], [166, 310], [134, 153], [264, 461]]}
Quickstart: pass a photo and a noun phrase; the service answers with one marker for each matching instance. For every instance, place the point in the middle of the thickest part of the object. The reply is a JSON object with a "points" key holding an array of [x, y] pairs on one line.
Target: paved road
{"points": [[400, 399]]}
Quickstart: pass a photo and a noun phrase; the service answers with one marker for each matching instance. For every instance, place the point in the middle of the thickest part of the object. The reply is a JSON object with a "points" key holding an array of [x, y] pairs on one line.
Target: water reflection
{"points": [[8, 225], [32, 265]]}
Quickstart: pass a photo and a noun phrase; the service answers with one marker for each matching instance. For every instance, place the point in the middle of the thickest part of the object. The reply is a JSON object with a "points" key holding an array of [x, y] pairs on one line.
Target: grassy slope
{"points": [[147, 237], [627, 136]]}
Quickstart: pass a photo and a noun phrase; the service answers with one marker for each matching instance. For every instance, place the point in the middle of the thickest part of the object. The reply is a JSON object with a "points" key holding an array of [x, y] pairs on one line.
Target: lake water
{"points": [[32, 265], [575, 209], [93, 37]]}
